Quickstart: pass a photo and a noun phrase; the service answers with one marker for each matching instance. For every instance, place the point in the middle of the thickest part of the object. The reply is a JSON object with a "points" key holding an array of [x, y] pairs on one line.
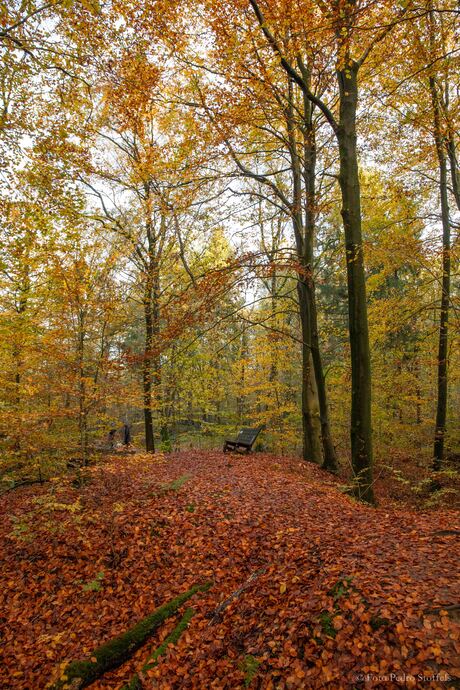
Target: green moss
{"points": [[249, 666], [80, 674], [96, 584], [326, 619], [134, 684], [176, 484], [172, 638], [341, 588]]}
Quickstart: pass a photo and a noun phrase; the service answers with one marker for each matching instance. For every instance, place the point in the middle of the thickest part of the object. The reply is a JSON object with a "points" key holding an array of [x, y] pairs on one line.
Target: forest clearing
{"points": [[325, 590], [229, 344]]}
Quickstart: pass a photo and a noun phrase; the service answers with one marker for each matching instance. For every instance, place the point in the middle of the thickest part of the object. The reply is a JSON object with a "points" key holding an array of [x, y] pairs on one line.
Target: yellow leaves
{"points": [[283, 587], [92, 6], [70, 507]]}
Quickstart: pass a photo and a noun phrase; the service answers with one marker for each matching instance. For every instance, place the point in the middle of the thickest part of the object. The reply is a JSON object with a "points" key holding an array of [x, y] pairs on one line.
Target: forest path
{"points": [[328, 589]]}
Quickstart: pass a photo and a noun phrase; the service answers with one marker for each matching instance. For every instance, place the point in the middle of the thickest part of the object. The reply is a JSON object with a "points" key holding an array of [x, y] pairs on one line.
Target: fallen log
{"points": [[23, 482], [79, 674], [135, 682]]}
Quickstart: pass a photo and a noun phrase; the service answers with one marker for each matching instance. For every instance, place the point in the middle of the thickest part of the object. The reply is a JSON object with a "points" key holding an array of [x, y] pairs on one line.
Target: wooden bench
{"points": [[244, 441]]}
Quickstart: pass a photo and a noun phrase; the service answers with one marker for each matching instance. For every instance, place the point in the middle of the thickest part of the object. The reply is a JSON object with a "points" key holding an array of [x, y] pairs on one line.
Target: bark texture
{"points": [[360, 427]]}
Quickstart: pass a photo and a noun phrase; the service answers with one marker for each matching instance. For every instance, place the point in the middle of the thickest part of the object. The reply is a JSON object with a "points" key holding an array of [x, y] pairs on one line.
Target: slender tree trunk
{"points": [[17, 379], [18, 349], [330, 462], [454, 174], [82, 414], [147, 368], [441, 408], [17, 395], [273, 357], [156, 362], [240, 403], [361, 427], [418, 389], [311, 427], [309, 174]]}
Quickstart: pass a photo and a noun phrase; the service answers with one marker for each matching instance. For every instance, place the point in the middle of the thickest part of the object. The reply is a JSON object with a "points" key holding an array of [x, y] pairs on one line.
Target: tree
{"points": [[343, 28], [432, 110]]}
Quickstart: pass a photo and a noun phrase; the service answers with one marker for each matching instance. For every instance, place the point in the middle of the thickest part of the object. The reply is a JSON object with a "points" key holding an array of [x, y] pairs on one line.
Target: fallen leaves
{"points": [[340, 588]]}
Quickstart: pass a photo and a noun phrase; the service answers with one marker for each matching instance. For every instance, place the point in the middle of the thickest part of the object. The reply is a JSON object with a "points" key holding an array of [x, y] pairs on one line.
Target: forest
{"points": [[214, 217]]}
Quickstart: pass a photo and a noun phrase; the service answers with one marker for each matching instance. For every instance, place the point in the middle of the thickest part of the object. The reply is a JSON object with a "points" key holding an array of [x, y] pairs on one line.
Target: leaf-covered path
{"points": [[328, 591]]}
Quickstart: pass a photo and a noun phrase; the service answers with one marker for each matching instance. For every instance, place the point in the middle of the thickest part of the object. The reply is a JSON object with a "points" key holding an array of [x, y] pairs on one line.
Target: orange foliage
{"points": [[330, 591]]}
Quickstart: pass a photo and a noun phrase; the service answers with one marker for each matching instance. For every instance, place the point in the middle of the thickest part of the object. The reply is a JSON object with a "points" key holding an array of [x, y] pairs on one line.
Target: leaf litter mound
{"points": [[310, 588]]}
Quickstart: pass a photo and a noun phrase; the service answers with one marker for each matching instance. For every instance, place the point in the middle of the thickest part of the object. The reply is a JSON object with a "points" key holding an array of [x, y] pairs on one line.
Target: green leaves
{"points": [[94, 585]]}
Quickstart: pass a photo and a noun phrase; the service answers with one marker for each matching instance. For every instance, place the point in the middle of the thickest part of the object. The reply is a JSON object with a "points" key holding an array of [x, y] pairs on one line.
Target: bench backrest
{"points": [[248, 436]]}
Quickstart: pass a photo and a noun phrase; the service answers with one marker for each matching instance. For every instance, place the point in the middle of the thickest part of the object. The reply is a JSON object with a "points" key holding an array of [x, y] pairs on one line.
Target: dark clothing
{"points": [[126, 431], [111, 438]]}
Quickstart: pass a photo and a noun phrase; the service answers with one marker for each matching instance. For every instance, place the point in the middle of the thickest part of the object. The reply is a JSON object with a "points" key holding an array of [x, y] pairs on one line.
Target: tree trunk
{"points": [[240, 400], [454, 174], [156, 361], [17, 352], [311, 427], [273, 374], [361, 426], [441, 408], [147, 369], [82, 413], [418, 391], [309, 174], [330, 462]]}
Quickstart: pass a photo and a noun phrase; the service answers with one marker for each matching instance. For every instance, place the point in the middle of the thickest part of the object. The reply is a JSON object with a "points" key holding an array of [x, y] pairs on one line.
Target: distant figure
{"points": [[126, 432], [111, 438]]}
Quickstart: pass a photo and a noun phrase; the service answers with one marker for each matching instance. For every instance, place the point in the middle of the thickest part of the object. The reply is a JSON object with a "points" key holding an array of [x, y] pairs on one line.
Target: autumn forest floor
{"points": [[326, 590]]}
